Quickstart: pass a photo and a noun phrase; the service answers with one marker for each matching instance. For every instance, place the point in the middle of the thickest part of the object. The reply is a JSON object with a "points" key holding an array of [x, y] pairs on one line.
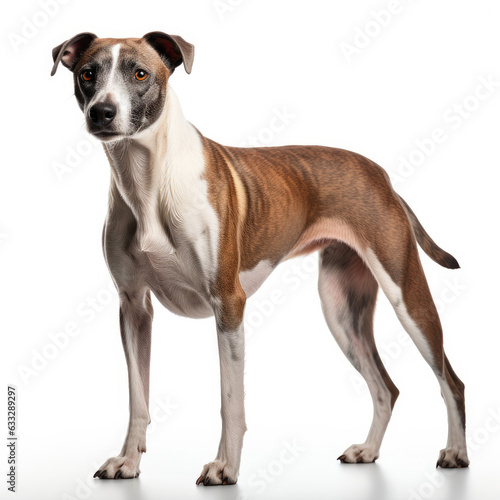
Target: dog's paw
{"points": [[119, 468], [453, 458], [359, 454], [217, 472]]}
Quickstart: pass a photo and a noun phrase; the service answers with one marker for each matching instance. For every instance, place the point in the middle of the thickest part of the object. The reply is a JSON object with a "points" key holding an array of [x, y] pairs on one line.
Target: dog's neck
{"points": [[158, 172]]}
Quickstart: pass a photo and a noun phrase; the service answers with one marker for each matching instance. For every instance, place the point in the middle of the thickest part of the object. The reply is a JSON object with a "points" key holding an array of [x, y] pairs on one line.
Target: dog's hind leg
{"points": [[399, 272], [348, 293]]}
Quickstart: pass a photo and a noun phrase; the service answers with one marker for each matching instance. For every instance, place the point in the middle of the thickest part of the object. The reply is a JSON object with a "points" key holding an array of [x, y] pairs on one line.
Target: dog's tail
{"points": [[427, 244]]}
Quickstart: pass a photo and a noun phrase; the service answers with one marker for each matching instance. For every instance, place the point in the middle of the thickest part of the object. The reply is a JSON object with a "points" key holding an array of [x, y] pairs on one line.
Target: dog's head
{"points": [[120, 84]]}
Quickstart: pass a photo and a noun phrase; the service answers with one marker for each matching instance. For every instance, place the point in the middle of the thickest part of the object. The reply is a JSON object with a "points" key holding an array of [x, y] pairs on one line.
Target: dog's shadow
{"points": [[125, 489], [233, 492], [456, 485], [132, 489], [372, 482], [453, 484]]}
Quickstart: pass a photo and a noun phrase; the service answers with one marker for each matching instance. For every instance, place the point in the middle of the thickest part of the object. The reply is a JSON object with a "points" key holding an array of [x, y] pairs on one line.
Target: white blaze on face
{"points": [[115, 92]]}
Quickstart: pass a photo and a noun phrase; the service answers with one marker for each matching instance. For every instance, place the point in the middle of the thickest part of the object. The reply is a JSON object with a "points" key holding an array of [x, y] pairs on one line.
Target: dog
{"points": [[202, 226]]}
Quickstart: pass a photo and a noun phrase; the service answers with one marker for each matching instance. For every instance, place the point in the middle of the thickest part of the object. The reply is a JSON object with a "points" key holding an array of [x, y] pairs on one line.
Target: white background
{"points": [[253, 58]]}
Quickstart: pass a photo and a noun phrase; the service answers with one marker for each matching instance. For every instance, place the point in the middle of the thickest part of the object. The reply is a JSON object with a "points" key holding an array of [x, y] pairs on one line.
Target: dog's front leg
{"points": [[136, 317], [231, 341]]}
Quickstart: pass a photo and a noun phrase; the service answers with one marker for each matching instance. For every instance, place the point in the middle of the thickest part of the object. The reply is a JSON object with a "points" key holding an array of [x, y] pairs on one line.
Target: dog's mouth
{"points": [[106, 135]]}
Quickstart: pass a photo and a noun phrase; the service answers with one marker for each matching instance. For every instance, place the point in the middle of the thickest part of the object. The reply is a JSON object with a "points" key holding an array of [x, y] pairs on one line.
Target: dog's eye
{"points": [[141, 75], [87, 75]]}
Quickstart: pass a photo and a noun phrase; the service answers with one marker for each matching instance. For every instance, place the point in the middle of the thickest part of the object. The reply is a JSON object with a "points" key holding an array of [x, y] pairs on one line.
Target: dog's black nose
{"points": [[102, 114]]}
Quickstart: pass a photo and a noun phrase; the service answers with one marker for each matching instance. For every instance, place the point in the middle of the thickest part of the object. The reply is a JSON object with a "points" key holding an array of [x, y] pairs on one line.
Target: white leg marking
{"points": [[136, 336], [224, 469], [360, 353], [395, 296], [456, 451]]}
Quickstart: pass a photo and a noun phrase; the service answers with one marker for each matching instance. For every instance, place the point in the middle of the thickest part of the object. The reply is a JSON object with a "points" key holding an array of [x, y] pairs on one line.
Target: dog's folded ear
{"points": [[70, 52], [172, 48]]}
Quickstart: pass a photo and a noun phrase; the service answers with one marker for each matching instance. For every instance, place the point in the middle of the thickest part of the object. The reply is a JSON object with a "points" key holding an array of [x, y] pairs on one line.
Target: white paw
{"points": [[451, 458], [217, 472], [119, 468], [359, 454]]}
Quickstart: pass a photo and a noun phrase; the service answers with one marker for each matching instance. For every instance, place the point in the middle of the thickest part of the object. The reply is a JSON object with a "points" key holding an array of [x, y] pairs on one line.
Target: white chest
{"points": [[175, 246]]}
